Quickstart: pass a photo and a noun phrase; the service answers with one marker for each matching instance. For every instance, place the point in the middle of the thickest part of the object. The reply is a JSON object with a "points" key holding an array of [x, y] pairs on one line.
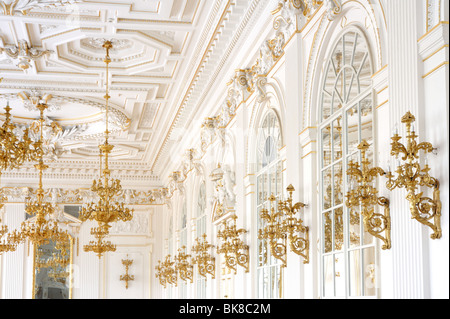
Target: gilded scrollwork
{"points": [[411, 176], [364, 197]]}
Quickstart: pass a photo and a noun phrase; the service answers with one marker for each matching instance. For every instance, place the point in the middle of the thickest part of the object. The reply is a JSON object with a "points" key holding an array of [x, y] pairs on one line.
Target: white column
{"points": [[13, 276], [407, 234], [294, 280], [433, 50]]}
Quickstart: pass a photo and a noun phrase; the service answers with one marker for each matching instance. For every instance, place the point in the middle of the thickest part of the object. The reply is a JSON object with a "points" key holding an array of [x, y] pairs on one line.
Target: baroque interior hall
{"points": [[224, 149]]}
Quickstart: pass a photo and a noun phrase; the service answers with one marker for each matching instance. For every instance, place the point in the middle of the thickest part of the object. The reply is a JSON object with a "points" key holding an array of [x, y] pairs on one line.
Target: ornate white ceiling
{"points": [[165, 53]]}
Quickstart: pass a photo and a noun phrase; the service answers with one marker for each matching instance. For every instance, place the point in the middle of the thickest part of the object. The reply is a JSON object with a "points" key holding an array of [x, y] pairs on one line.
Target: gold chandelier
{"points": [[100, 246], [15, 150], [41, 229], [5, 243], [106, 210]]}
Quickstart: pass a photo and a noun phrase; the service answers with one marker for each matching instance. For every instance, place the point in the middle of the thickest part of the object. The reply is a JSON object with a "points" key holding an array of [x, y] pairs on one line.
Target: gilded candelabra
{"points": [[273, 231], [293, 226], [14, 149], [106, 210], [233, 248], [182, 265], [127, 277], [364, 197], [411, 175], [100, 246], [166, 272], [205, 262], [6, 244]]}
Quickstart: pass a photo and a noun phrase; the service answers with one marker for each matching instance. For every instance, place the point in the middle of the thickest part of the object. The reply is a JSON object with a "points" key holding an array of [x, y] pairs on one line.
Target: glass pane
{"points": [[273, 180], [260, 189], [338, 183], [365, 73], [338, 92], [338, 229], [366, 119], [328, 276], [327, 190], [355, 273], [370, 280], [337, 138], [326, 146], [352, 129], [327, 227], [354, 227], [339, 269], [265, 183], [352, 88], [279, 189]]}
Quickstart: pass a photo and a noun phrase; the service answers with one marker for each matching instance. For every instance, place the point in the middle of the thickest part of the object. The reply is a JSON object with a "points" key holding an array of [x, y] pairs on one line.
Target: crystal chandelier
{"points": [[106, 210], [41, 229]]}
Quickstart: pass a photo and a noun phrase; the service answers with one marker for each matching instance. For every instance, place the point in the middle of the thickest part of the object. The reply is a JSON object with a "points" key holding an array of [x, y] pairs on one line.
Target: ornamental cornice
{"points": [[247, 81]]}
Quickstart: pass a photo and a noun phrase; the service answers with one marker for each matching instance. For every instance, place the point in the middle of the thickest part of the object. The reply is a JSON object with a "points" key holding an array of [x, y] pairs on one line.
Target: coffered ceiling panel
{"points": [[52, 50]]}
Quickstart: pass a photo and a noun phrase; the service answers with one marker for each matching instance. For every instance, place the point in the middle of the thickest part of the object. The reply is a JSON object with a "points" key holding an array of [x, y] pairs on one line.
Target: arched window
{"points": [[347, 251], [201, 229], [269, 181]]}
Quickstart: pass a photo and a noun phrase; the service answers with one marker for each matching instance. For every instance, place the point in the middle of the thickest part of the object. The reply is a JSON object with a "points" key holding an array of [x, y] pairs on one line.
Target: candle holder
{"points": [[233, 248], [127, 263], [410, 175], [183, 266], [166, 272], [293, 226], [282, 225], [273, 231], [205, 262], [364, 196]]}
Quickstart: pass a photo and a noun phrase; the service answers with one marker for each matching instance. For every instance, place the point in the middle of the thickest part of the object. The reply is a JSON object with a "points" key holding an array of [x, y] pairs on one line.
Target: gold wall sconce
{"points": [[205, 262], [183, 266], [233, 248], [127, 277], [273, 231], [294, 227], [283, 225], [166, 272], [364, 197], [411, 176]]}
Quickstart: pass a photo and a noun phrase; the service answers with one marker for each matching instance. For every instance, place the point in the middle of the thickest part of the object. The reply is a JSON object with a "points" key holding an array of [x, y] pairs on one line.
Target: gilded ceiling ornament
{"points": [[22, 7], [22, 54]]}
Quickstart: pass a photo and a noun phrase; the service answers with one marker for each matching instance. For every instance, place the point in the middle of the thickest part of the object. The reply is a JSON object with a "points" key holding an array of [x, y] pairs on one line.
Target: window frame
{"points": [[273, 165], [323, 123]]}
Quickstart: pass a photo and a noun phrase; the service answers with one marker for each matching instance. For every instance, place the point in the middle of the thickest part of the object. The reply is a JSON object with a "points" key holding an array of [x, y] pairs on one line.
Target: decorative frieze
{"points": [[80, 196]]}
